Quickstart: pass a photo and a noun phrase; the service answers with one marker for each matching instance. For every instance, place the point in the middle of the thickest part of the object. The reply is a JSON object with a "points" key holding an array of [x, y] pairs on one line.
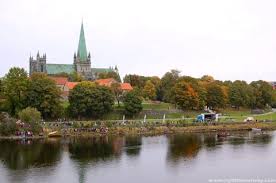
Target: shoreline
{"points": [[125, 130]]}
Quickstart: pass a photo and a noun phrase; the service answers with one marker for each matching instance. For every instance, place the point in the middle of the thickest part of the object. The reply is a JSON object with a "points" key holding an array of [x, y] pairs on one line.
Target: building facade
{"points": [[81, 63]]}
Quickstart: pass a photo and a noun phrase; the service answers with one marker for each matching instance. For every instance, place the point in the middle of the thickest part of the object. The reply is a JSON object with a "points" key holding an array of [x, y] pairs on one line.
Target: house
{"points": [[106, 82], [109, 81], [65, 85], [60, 81], [126, 87]]}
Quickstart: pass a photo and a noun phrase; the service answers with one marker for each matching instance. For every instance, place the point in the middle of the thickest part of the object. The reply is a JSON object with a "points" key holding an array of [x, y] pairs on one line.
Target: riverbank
{"points": [[159, 130], [154, 130]]}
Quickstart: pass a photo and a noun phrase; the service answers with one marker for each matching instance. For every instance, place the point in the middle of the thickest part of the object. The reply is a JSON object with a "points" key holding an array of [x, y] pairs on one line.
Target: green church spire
{"points": [[82, 52]]}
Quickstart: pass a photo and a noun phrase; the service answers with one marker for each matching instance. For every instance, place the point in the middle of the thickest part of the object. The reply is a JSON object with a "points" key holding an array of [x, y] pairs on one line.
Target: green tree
{"points": [[15, 86], [30, 115], [149, 90], [167, 83], [132, 103], [215, 96], [110, 74], [75, 77], [273, 99], [2, 98], [136, 80], [185, 96], [90, 100], [263, 93], [44, 95], [240, 94]]}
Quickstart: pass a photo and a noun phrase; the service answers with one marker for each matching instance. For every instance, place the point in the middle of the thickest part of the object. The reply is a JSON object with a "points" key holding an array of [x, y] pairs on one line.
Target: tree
{"points": [[110, 74], [185, 96], [90, 100], [240, 94], [117, 91], [75, 77], [207, 78], [132, 103], [215, 96], [136, 80], [2, 98], [44, 95], [30, 115], [14, 87], [167, 83], [198, 87], [149, 90], [263, 93]]}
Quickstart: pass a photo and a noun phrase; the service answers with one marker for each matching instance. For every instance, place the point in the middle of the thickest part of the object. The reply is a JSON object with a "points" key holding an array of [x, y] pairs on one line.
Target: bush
{"points": [[8, 127], [30, 115], [132, 104]]}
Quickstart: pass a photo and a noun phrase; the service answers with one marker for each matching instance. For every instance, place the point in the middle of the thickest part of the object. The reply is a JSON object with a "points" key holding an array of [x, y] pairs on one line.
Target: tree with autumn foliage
{"points": [[149, 90], [185, 96], [215, 96]]}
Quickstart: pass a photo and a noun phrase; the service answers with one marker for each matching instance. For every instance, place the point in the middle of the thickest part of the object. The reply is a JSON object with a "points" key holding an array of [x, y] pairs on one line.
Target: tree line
{"points": [[197, 93], [88, 99]]}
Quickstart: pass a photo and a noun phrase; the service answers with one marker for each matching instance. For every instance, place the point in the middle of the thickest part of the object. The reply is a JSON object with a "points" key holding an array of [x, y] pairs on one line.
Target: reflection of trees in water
{"points": [[102, 148], [210, 141], [262, 139], [183, 146], [24, 154], [133, 145], [86, 150], [250, 138]]}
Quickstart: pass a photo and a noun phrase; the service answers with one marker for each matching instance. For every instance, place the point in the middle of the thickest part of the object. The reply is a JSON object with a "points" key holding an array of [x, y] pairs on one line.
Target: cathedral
{"points": [[81, 63]]}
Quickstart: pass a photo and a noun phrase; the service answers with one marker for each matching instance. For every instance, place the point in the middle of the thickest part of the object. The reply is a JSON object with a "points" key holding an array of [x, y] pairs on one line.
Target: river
{"points": [[136, 159]]}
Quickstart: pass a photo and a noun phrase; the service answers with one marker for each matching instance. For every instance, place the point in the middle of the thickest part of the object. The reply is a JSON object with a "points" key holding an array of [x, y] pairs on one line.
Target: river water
{"points": [[140, 159]]}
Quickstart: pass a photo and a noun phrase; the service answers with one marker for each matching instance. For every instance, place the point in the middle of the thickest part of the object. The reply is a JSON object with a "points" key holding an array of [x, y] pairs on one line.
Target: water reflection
{"points": [[183, 146], [94, 149], [133, 145], [189, 145], [89, 159], [18, 155]]}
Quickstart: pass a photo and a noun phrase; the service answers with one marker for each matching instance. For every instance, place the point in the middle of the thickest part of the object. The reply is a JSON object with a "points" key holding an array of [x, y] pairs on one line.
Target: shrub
{"points": [[8, 127], [29, 115], [32, 117]]}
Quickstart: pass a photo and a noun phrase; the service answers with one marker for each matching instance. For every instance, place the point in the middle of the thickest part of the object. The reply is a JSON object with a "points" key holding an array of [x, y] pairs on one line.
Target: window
{"points": [[41, 68]]}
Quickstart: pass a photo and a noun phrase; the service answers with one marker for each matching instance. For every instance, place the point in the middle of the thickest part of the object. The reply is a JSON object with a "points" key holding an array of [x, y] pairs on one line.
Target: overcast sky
{"points": [[228, 39]]}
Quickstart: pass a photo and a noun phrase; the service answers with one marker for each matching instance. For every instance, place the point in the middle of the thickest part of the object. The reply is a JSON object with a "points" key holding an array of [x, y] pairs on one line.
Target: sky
{"points": [[228, 39]]}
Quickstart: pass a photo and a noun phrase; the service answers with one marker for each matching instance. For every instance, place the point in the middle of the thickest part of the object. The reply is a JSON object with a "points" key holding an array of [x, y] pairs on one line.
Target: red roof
{"points": [[126, 86], [106, 82], [71, 85], [59, 80]]}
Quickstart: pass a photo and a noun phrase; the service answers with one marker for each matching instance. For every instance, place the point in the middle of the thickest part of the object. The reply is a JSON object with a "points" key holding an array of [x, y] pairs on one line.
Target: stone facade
{"points": [[38, 65]]}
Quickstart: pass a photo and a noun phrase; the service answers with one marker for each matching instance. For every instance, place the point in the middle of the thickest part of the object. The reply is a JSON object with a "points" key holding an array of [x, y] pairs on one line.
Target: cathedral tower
{"points": [[82, 60], [38, 65]]}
